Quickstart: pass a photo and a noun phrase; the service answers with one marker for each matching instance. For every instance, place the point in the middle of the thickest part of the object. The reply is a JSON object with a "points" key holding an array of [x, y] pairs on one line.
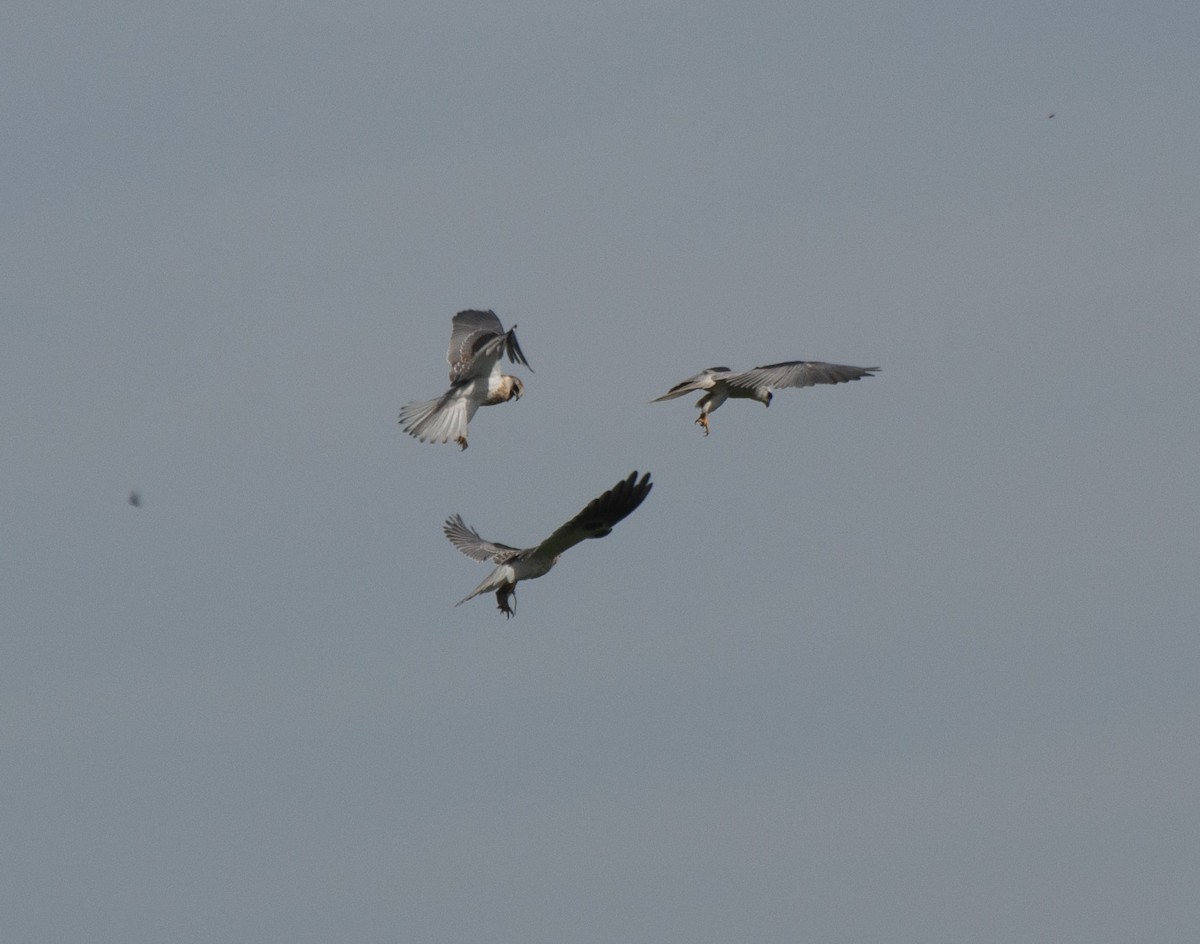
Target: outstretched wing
{"points": [[468, 541], [477, 342], [599, 517], [702, 381], [797, 374]]}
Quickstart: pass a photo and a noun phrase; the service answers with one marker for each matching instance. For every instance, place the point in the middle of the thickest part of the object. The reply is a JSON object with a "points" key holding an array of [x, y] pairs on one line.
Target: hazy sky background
{"points": [[908, 660]]}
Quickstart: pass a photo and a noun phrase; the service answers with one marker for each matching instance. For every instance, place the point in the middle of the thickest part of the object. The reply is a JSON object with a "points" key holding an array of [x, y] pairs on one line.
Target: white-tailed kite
{"points": [[514, 564], [477, 343], [720, 383]]}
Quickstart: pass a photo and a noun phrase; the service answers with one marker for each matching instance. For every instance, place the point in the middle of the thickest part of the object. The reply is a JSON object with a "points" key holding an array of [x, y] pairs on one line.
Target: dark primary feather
{"points": [[600, 514], [617, 503], [513, 349]]}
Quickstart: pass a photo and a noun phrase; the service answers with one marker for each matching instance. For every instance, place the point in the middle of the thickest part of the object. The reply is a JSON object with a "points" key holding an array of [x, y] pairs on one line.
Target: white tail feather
{"points": [[494, 581], [441, 420]]}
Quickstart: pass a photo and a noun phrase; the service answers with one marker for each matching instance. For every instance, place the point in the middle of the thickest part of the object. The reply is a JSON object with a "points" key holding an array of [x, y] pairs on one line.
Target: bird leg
{"points": [[702, 419], [502, 595], [462, 441]]}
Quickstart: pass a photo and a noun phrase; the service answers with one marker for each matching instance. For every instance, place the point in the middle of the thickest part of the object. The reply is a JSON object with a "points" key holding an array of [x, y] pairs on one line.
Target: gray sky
{"points": [[908, 660]]}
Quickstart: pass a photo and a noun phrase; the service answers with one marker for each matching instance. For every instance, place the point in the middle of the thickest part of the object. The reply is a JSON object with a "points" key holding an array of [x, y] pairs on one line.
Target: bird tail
{"points": [[440, 420], [679, 390], [494, 581]]}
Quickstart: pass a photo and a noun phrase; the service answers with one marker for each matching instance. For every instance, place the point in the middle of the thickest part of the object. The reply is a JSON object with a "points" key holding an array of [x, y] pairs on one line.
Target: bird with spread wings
{"points": [[515, 564], [478, 342], [721, 383]]}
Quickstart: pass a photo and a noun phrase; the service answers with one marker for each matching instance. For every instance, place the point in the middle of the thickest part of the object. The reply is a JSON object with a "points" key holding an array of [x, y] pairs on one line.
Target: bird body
{"points": [[516, 564], [478, 342], [720, 383]]}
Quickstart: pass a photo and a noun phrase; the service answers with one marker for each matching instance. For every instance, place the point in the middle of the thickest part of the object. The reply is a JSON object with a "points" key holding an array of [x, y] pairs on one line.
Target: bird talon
{"points": [[462, 441], [502, 598]]}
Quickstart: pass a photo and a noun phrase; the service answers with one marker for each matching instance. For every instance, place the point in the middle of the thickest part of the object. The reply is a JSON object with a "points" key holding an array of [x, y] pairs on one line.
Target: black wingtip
{"points": [[638, 488], [513, 348], [616, 504]]}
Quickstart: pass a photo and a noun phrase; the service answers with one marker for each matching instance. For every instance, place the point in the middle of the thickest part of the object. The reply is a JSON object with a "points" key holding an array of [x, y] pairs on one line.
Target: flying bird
{"points": [[514, 564], [478, 342], [720, 383]]}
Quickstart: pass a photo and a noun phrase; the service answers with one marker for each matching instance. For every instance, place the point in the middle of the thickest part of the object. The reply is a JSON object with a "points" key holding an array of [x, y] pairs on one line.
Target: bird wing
{"points": [[468, 541], [705, 380], [477, 342], [796, 374], [598, 517]]}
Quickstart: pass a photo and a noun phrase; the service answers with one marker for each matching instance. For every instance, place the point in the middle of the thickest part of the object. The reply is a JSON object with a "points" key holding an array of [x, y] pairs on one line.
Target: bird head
{"points": [[518, 388], [768, 398]]}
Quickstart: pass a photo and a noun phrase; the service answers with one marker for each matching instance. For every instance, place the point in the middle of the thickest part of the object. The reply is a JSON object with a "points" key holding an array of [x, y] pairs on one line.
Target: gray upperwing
{"points": [[798, 374]]}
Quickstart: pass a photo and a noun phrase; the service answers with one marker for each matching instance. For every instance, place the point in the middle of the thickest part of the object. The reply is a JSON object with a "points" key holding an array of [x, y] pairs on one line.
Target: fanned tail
{"points": [[442, 420]]}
